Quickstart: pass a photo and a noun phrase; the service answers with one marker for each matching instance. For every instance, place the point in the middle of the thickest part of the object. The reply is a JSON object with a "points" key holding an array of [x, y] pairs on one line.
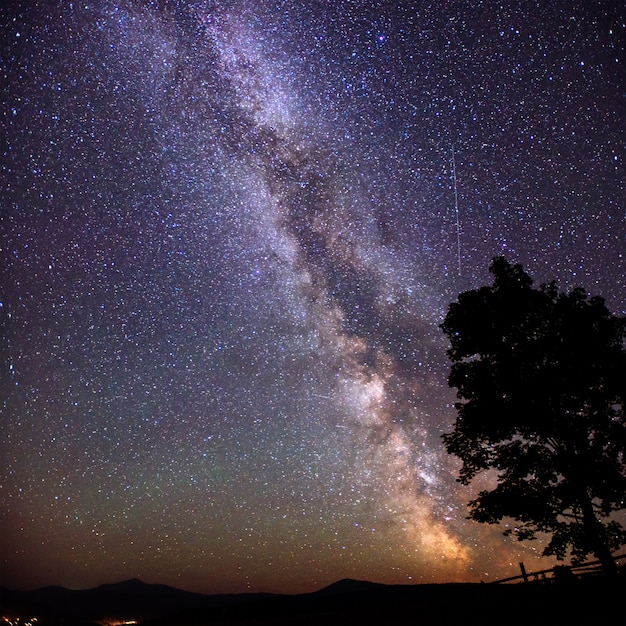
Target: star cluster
{"points": [[229, 232]]}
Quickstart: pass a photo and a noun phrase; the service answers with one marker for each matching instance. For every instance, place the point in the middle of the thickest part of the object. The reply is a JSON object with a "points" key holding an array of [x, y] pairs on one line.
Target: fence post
{"points": [[524, 574]]}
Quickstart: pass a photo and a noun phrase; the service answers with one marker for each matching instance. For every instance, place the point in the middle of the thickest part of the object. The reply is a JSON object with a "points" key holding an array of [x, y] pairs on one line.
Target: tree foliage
{"points": [[541, 379]]}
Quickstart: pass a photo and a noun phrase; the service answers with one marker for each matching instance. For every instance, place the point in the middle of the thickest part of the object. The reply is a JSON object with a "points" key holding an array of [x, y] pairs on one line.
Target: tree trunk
{"points": [[597, 534]]}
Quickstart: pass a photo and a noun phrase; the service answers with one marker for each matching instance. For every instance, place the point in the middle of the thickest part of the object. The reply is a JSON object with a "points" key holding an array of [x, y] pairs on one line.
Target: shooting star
{"points": [[456, 209], [319, 395]]}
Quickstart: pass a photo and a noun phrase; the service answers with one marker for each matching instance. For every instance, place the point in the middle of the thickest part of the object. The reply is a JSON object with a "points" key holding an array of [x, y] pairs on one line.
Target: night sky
{"points": [[228, 235]]}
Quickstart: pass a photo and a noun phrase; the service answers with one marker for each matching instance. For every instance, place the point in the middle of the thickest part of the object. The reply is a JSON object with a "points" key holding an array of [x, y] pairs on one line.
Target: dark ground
{"points": [[590, 602]]}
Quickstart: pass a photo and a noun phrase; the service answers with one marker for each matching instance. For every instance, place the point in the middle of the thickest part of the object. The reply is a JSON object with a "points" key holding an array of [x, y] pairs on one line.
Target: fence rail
{"points": [[584, 569]]}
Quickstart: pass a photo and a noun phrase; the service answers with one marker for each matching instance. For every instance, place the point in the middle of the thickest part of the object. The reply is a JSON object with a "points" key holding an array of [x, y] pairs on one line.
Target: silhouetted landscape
{"points": [[590, 601]]}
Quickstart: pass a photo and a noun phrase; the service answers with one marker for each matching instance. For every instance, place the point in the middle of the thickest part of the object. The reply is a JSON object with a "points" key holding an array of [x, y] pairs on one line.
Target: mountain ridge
{"points": [[347, 601]]}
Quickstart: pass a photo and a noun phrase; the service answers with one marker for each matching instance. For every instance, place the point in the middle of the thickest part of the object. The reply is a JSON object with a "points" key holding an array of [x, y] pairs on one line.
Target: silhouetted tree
{"points": [[541, 379]]}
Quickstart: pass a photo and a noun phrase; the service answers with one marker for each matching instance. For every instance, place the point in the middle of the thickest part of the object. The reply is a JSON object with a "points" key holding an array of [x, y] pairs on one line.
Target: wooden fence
{"points": [[558, 571]]}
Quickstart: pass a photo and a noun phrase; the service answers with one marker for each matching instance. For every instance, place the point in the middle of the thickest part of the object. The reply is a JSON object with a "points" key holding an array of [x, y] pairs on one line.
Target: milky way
{"points": [[229, 234]]}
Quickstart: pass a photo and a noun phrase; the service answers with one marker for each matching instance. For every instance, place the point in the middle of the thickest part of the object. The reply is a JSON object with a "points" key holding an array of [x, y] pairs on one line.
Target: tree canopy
{"points": [[541, 381]]}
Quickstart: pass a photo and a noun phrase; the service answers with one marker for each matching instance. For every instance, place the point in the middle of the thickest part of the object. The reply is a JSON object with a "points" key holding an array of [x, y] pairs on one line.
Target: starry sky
{"points": [[229, 231]]}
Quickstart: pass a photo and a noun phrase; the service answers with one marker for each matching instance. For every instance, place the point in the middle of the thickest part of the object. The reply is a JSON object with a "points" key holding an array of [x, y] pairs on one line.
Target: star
{"points": [[229, 234]]}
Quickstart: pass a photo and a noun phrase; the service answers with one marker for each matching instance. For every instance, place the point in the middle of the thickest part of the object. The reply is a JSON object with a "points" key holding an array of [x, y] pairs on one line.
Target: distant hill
{"points": [[346, 602], [127, 600], [348, 585]]}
